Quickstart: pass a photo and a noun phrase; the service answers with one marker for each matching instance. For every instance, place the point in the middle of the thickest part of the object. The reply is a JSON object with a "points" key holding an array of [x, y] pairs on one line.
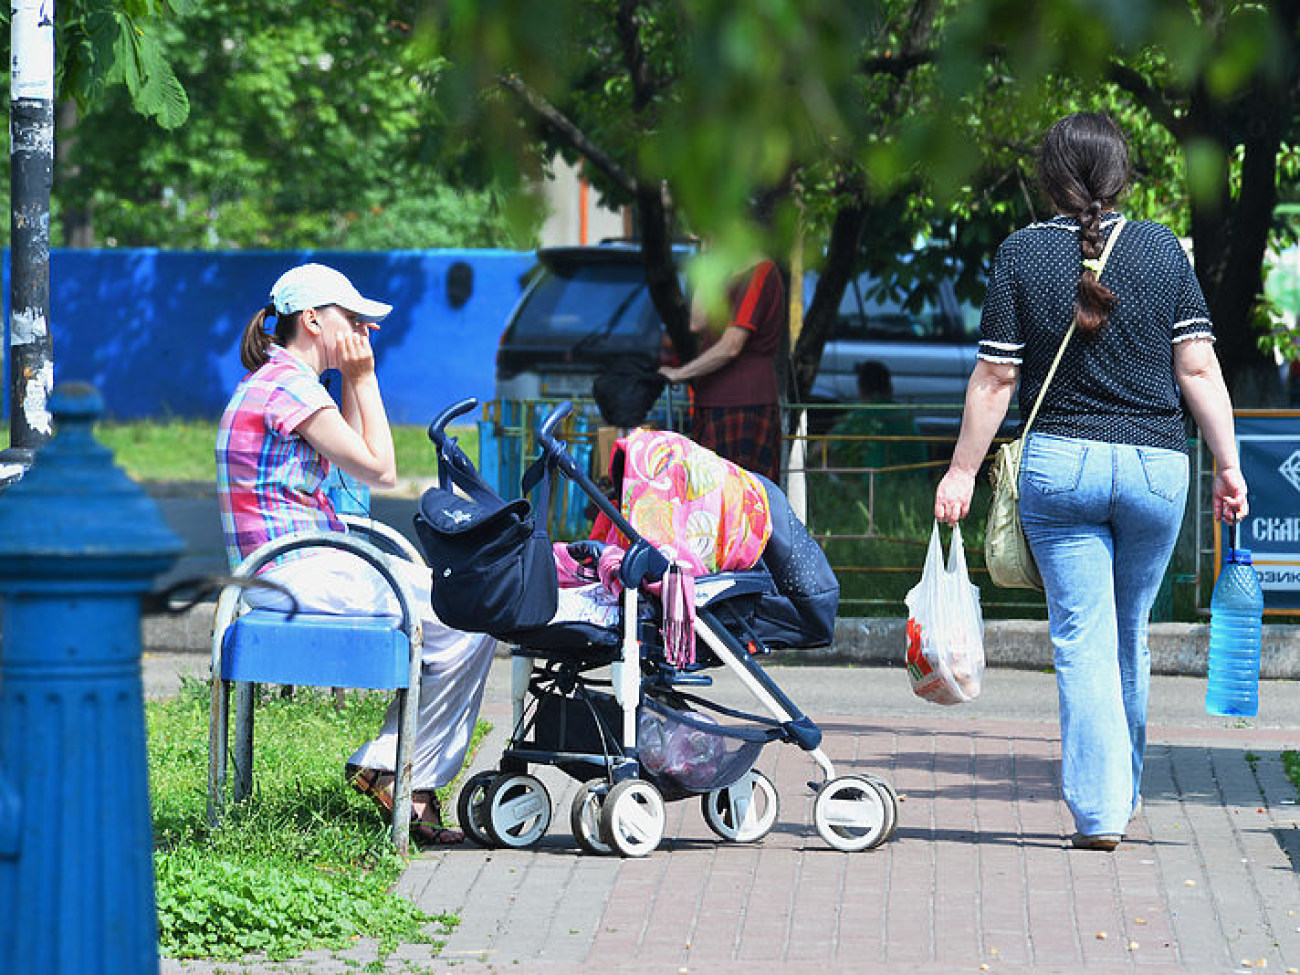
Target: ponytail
{"points": [[255, 344], [1083, 167], [1094, 301]]}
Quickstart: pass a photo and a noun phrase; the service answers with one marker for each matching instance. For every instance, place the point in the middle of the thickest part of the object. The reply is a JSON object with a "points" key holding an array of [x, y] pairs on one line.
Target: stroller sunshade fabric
{"points": [[700, 509], [801, 613]]}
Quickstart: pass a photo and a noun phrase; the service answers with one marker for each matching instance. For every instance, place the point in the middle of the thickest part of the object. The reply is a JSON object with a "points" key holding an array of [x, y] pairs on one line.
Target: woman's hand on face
{"points": [[1230, 495], [354, 356], [952, 499]]}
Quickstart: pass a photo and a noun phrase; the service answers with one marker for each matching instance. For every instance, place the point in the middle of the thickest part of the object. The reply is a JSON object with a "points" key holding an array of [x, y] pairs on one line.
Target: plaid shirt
{"points": [[268, 477]]}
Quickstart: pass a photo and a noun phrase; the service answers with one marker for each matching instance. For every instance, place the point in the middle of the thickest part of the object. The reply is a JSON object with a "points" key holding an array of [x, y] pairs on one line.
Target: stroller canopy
{"points": [[697, 507], [717, 517]]}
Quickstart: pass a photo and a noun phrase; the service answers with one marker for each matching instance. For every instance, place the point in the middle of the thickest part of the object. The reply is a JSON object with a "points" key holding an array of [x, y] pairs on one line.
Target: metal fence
{"points": [[866, 488]]}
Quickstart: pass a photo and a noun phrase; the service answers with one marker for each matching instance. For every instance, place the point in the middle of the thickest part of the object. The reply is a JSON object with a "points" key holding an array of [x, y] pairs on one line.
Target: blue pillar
{"points": [[79, 545]]}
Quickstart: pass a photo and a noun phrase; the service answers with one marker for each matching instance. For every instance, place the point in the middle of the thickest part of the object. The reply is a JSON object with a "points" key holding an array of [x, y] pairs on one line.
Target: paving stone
{"points": [[978, 873]]}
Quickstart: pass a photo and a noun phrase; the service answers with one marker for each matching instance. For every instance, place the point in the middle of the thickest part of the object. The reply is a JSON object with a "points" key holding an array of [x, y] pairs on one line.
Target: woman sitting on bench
{"points": [[279, 436]]}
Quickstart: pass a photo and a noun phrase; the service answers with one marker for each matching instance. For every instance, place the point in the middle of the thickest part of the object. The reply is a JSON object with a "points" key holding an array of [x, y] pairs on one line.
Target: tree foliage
{"points": [[99, 45], [877, 124], [307, 127]]}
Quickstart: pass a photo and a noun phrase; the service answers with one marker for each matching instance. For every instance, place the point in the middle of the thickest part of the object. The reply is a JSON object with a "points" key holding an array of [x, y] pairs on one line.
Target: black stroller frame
{"points": [[562, 717]]}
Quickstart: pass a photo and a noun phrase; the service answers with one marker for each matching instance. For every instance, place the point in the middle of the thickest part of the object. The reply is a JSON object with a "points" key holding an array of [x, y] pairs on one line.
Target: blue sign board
{"points": [[1269, 444]]}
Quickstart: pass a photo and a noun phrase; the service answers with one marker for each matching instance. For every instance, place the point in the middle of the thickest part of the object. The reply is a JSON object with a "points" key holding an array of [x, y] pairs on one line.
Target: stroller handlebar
{"points": [[441, 421], [643, 562], [553, 419]]}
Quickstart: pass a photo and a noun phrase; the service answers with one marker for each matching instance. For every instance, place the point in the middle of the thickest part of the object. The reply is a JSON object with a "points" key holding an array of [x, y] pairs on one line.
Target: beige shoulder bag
{"points": [[1006, 551]]}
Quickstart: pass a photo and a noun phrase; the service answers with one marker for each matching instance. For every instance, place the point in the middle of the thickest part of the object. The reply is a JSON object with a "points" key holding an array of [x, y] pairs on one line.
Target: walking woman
{"points": [[1103, 481], [278, 438]]}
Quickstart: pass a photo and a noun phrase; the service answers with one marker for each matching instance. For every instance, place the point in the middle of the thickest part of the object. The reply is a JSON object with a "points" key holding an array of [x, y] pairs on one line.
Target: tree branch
{"points": [[569, 133], [895, 65], [644, 88], [655, 208], [841, 258], [914, 46], [1154, 99], [920, 28]]}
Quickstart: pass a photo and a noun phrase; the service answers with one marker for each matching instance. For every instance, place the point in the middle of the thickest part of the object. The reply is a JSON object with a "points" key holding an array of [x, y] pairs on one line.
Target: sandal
{"points": [[428, 830], [374, 784]]}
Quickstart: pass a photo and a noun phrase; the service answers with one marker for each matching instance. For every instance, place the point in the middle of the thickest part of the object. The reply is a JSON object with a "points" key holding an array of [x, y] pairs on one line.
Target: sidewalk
{"points": [[977, 878]]}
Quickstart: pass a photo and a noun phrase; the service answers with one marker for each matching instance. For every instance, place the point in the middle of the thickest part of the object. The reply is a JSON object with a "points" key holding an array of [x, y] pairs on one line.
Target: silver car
{"points": [[587, 306], [929, 352]]}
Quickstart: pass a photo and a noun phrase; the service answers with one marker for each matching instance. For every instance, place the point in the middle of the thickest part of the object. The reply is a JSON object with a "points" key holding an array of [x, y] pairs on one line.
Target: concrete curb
{"points": [[1176, 648]]}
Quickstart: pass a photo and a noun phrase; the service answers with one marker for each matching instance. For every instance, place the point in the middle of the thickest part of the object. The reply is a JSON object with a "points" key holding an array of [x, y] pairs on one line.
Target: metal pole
{"points": [[31, 130]]}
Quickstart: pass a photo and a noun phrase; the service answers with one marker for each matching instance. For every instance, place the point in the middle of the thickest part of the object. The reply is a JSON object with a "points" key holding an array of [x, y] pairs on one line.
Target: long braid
{"points": [[1094, 301], [1083, 167]]}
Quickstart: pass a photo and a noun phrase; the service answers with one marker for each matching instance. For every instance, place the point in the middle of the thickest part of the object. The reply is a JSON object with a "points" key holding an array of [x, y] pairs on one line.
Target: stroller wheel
{"points": [[518, 810], [470, 810], [584, 815], [852, 814], [632, 818], [891, 800], [744, 811]]}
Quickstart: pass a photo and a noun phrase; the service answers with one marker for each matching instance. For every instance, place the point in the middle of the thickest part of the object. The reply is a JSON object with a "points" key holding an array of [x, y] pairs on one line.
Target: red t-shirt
{"points": [[758, 304]]}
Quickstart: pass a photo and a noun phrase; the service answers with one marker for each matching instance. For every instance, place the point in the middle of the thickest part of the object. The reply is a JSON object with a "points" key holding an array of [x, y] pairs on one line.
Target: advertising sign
{"points": [[1269, 444]]}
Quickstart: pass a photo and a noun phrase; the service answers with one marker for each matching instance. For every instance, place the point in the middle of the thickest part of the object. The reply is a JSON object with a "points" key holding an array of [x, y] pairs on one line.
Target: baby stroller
{"points": [[643, 735]]}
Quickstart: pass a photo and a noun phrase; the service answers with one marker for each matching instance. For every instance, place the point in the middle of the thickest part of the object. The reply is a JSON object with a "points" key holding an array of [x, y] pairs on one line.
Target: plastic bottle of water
{"points": [[1236, 611]]}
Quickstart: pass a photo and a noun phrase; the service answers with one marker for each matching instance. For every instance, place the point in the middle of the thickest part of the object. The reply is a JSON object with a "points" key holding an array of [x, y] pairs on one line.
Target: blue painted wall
{"points": [[158, 331]]}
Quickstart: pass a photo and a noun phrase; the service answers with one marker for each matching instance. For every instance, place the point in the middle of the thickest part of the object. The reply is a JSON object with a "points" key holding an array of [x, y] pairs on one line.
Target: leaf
{"points": [[154, 87], [126, 63], [164, 97]]}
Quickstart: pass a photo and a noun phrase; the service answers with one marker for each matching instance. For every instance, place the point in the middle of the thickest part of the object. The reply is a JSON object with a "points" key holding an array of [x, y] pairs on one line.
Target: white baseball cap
{"points": [[315, 285]]}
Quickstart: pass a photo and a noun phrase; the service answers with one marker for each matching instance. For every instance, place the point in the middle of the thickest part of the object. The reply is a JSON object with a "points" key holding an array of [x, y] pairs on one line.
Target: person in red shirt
{"points": [[737, 412]]}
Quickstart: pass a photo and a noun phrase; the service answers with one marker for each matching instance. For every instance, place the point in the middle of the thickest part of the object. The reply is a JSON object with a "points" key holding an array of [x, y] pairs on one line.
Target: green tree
{"points": [[111, 47], [103, 44], [1219, 78], [307, 129], [882, 121]]}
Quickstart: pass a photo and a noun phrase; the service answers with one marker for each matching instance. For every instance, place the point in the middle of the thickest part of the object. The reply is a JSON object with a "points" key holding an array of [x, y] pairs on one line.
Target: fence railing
{"points": [[868, 477]]}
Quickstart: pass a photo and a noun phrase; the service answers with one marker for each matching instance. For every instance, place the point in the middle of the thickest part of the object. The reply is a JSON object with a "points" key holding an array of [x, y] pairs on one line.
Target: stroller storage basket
{"points": [[572, 724], [687, 752], [682, 752]]}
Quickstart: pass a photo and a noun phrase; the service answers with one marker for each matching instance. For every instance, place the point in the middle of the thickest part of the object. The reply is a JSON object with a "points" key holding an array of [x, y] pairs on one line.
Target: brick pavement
{"points": [[977, 878], [978, 873]]}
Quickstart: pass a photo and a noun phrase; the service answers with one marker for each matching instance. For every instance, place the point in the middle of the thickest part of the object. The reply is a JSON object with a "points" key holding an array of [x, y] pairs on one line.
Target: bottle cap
{"points": [[1240, 556]]}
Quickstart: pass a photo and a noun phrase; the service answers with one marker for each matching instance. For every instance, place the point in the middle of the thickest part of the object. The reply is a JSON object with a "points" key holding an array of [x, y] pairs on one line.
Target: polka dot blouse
{"points": [[1118, 385]]}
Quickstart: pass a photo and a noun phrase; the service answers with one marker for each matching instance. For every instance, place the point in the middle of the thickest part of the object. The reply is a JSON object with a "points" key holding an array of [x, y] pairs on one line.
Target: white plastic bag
{"points": [[945, 628]]}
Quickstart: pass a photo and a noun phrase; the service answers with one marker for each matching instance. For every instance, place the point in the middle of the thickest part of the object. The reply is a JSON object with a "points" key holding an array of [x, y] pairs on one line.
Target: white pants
{"points": [[454, 663]]}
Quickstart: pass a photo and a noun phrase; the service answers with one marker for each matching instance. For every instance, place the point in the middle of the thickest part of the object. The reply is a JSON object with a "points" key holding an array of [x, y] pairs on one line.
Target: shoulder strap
{"points": [[539, 475], [1101, 266]]}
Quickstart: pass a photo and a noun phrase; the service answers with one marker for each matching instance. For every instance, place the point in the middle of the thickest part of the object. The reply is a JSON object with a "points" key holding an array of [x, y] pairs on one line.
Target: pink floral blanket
{"points": [[701, 510]]}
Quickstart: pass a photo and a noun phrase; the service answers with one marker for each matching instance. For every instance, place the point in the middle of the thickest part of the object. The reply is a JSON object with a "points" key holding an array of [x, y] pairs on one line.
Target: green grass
{"points": [[306, 864], [1291, 762], [182, 450]]}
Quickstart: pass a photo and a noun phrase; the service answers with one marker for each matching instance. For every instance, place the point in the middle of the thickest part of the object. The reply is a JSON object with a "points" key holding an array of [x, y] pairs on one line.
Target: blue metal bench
{"points": [[257, 646]]}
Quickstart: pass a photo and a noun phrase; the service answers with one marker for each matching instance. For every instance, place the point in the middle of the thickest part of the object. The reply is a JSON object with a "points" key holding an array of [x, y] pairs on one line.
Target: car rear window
{"points": [[865, 316], [588, 304]]}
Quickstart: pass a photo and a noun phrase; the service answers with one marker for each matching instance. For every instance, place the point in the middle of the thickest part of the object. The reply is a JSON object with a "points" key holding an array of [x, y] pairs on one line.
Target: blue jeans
{"points": [[1101, 520]]}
